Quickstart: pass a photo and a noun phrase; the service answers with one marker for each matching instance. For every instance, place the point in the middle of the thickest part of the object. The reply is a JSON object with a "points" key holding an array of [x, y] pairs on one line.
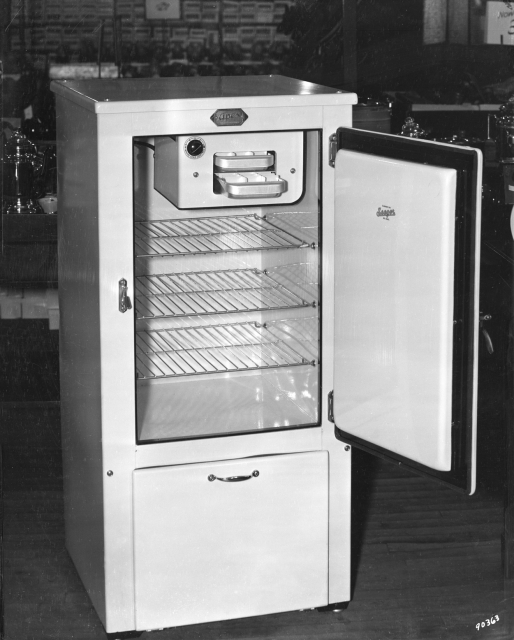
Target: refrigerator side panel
{"points": [[79, 347], [339, 458], [115, 225]]}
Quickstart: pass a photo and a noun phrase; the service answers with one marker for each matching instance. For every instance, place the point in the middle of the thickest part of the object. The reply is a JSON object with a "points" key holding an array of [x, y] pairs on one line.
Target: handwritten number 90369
{"points": [[488, 622]]}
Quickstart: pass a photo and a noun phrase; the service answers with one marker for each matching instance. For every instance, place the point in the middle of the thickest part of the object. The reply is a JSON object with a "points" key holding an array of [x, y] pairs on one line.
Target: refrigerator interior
{"points": [[227, 302]]}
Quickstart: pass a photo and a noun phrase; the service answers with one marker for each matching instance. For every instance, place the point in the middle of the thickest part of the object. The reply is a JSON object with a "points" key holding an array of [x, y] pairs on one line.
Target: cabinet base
{"points": [[124, 635], [336, 606]]}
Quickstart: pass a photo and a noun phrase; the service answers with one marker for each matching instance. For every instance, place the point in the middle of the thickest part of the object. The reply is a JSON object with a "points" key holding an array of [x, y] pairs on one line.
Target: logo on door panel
{"points": [[385, 212]]}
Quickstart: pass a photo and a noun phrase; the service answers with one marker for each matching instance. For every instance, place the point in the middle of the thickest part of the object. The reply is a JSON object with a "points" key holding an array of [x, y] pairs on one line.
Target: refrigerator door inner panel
{"points": [[399, 286], [236, 540], [394, 289]]}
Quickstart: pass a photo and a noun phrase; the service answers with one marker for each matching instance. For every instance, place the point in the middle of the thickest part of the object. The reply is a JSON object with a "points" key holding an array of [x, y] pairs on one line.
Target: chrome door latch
{"points": [[123, 299]]}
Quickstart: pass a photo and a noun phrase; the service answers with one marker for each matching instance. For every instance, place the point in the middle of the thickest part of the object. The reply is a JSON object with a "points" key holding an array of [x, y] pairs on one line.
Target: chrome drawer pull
{"points": [[212, 477]]}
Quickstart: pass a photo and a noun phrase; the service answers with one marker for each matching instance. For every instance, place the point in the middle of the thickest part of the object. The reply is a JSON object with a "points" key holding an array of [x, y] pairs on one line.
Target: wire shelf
{"points": [[211, 235], [212, 292], [305, 223], [246, 346]]}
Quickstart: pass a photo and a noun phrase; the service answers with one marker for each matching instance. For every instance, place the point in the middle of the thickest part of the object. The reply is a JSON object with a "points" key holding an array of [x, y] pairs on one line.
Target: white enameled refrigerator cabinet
{"points": [[248, 288]]}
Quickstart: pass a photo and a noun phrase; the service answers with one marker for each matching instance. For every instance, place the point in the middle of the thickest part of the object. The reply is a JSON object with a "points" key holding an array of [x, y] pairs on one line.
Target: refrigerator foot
{"points": [[336, 606], [123, 635]]}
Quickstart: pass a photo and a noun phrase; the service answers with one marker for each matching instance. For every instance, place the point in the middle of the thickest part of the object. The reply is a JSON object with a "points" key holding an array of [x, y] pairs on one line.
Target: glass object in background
{"points": [[21, 169]]}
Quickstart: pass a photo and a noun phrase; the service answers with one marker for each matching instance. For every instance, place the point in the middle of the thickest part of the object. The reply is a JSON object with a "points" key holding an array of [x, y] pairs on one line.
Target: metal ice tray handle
{"points": [[251, 184], [243, 161]]}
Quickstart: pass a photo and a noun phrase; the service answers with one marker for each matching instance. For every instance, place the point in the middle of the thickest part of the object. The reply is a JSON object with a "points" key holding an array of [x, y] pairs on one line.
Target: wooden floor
{"points": [[426, 560]]}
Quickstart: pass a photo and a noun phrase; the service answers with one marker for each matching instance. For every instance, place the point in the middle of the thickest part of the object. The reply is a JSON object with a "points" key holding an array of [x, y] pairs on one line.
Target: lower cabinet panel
{"points": [[211, 550]]}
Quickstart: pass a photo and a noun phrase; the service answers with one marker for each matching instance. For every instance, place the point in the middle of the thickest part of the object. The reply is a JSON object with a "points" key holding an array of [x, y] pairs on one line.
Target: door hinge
{"points": [[332, 150], [331, 406]]}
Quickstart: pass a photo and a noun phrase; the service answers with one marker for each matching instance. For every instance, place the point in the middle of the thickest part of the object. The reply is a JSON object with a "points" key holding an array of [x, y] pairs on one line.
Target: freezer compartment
{"points": [[190, 170], [190, 236], [206, 549]]}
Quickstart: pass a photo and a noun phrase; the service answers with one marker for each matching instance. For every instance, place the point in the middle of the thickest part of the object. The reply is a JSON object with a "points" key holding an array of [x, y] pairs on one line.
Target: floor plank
{"points": [[427, 560]]}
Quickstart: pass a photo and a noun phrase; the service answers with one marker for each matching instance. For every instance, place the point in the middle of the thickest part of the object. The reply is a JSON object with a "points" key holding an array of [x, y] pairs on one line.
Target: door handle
{"points": [[123, 299], [254, 474]]}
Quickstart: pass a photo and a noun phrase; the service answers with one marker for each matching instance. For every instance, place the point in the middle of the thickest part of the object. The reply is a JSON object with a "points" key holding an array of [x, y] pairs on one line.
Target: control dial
{"points": [[194, 147]]}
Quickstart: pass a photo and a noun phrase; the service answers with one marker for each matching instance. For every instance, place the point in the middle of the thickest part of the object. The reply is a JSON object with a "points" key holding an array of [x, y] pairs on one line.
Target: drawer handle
{"points": [[254, 162], [240, 185], [212, 477]]}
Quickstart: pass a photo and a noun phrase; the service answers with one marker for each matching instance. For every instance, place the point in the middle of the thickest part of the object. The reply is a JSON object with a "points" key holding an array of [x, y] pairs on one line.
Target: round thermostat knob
{"points": [[194, 147]]}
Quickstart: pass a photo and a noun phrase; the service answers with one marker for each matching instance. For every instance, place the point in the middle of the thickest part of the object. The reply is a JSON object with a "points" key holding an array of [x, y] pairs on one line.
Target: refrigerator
{"points": [[249, 288]]}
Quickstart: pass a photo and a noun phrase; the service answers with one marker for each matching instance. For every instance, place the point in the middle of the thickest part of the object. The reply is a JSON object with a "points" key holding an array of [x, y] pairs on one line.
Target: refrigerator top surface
{"points": [[152, 94]]}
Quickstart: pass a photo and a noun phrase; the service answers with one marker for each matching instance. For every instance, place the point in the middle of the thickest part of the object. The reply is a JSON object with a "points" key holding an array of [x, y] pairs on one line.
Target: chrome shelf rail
{"points": [[164, 353], [212, 292], [211, 235]]}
